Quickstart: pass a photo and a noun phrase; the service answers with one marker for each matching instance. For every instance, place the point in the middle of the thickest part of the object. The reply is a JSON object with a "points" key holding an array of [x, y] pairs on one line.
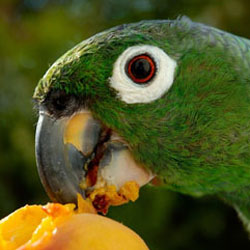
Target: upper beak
{"points": [[77, 154]]}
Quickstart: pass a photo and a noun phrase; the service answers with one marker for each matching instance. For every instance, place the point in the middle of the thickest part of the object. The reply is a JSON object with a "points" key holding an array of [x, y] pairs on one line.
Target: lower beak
{"points": [[77, 155]]}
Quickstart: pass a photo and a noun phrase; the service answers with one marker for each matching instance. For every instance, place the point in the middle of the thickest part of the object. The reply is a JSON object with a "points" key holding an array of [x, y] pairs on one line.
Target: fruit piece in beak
{"points": [[80, 155]]}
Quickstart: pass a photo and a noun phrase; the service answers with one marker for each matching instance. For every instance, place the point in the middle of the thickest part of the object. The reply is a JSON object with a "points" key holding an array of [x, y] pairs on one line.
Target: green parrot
{"points": [[163, 100]]}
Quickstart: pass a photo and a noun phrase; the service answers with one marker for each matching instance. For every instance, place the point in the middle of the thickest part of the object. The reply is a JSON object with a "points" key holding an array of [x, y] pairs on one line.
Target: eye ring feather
{"points": [[131, 90]]}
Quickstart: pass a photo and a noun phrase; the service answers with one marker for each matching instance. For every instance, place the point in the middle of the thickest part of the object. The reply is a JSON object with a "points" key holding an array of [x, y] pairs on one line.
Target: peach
{"points": [[57, 226]]}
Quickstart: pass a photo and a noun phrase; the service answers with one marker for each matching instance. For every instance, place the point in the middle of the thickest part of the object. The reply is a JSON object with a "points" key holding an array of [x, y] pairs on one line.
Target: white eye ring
{"points": [[131, 92]]}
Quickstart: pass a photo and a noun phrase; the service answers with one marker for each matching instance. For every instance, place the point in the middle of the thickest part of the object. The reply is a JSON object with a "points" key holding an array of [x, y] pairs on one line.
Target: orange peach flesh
{"points": [[57, 226], [104, 197]]}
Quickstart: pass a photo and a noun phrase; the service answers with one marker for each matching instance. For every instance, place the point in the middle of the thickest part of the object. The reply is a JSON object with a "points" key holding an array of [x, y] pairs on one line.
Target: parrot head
{"points": [[154, 99]]}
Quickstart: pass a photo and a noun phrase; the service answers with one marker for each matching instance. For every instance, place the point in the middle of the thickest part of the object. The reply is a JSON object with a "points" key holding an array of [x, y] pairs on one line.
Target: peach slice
{"points": [[56, 226]]}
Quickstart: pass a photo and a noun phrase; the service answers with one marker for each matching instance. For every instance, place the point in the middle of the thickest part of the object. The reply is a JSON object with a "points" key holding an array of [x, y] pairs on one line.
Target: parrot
{"points": [[157, 101]]}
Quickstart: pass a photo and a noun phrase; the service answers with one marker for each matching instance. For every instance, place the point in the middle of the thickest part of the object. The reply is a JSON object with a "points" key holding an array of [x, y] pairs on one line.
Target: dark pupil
{"points": [[140, 68]]}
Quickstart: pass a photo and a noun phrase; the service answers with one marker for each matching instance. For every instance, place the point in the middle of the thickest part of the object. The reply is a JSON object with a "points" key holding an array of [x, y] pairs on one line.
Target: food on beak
{"points": [[80, 155], [106, 196]]}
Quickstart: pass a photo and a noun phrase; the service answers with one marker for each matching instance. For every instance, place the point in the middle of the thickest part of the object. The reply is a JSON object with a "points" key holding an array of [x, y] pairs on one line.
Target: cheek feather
{"points": [[132, 92]]}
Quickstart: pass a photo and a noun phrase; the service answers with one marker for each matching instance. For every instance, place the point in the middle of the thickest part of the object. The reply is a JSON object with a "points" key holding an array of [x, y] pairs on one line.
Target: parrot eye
{"points": [[142, 74], [141, 69]]}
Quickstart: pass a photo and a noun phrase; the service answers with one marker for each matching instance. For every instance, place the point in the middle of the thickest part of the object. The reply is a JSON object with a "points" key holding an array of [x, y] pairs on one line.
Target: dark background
{"points": [[33, 34]]}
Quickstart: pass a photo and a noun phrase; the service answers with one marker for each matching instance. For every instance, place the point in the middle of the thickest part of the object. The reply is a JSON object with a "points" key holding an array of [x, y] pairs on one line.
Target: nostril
{"points": [[59, 99], [60, 103]]}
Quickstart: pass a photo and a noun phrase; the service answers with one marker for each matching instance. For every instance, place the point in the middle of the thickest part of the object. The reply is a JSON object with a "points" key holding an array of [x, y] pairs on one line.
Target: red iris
{"points": [[141, 68]]}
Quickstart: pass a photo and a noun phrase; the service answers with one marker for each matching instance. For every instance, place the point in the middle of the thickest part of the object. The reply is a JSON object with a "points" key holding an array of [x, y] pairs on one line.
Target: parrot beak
{"points": [[78, 154]]}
